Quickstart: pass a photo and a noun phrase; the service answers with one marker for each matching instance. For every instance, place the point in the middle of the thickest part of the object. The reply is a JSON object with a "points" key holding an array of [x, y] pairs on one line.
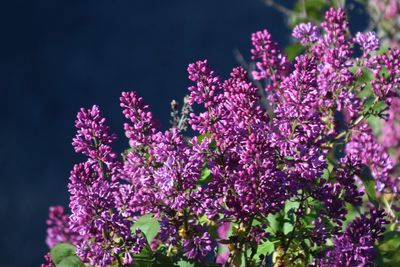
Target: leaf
{"points": [[142, 262], [201, 137], [184, 263], [145, 258], [276, 222], [148, 225], [369, 184], [237, 261], [313, 8], [290, 216], [383, 49], [293, 50], [265, 248], [375, 123], [291, 205], [388, 249], [205, 175], [61, 251], [287, 228], [162, 260], [70, 261]]}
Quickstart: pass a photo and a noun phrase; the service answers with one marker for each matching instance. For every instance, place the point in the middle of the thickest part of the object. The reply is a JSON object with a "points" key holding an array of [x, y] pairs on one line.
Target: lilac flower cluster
{"points": [[245, 165], [58, 228], [364, 145], [246, 180], [368, 41], [270, 62], [306, 33], [386, 71], [49, 262], [94, 185], [163, 170], [355, 247]]}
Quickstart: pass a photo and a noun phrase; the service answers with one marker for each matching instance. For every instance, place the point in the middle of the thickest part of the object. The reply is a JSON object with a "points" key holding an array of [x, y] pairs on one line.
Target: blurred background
{"points": [[58, 56]]}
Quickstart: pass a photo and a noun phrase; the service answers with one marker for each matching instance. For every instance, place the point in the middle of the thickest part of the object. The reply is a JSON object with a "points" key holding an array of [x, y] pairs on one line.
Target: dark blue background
{"points": [[57, 56]]}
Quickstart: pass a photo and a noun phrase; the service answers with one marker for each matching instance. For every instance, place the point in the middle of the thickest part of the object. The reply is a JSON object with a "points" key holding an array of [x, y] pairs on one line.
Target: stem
{"points": [[241, 245], [119, 260], [261, 91], [246, 258], [245, 240], [284, 10], [287, 12], [292, 234], [99, 161], [357, 121], [185, 220], [303, 8]]}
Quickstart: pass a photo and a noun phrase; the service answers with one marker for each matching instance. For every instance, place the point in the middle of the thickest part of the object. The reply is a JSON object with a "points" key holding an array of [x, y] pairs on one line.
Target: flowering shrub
{"points": [[282, 166]]}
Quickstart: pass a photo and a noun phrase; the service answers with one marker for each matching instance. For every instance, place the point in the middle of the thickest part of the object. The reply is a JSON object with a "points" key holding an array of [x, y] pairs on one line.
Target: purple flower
{"points": [[385, 85], [49, 262], [364, 146], [96, 216], [390, 137], [57, 228], [345, 174], [141, 128], [270, 63], [242, 134], [306, 33], [207, 84], [329, 194], [92, 133], [368, 41], [355, 247], [197, 247], [334, 48], [319, 233], [244, 162], [104, 232]]}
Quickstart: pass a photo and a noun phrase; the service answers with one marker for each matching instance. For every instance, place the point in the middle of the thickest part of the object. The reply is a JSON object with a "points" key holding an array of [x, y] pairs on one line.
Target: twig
{"points": [[303, 8], [286, 11], [261, 91], [292, 234]]}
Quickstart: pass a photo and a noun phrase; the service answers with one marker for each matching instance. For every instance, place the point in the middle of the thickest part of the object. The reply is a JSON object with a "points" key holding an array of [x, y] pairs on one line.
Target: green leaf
{"points": [[237, 261], [388, 250], [144, 258], [201, 137], [291, 205], [293, 50], [314, 9], [383, 49], [148, 225], [205, 175], [142, 262], [162, 260], [369, 184], [184, 263], [287, 228], [276, 221], [70, 261], [375, 123], [265, 248], [61, 251]]}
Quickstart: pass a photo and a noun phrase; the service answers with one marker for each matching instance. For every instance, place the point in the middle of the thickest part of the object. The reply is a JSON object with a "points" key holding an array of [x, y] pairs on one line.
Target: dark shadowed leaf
{"points": [[369, 184]]}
